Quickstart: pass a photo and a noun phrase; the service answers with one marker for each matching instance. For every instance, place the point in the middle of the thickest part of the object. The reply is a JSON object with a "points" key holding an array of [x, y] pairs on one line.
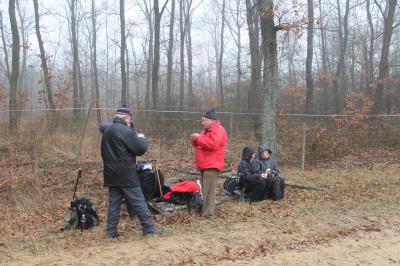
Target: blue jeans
{"points": [[135, 200]]}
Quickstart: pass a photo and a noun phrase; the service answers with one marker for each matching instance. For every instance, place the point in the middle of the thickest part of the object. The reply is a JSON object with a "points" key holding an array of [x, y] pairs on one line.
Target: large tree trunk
{"points": [[253, 103], [270, 74], [3, 39], [221, 56], [343, 37], [94, 63], [309, 59], [123, 51], [24, 38], [43, 58], [170, 54], [384, 62], [12, 99]]}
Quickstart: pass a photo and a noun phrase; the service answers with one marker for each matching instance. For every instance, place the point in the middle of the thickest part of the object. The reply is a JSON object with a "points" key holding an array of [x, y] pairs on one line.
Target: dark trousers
{"points": [[136, 206], [258, 187]]}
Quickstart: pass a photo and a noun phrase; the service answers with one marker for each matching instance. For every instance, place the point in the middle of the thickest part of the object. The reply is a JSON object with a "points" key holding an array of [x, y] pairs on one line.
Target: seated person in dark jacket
{"points": [[264, 161], [252, 180], [275, 183]]}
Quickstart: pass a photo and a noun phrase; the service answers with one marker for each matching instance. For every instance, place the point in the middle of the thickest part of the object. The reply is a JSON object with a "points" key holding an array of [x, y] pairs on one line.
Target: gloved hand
{"points": [[140, 135]]}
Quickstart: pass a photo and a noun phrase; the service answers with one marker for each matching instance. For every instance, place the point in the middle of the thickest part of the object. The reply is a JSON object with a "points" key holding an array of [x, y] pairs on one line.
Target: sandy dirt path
{"points": [[366, 248], [372, 248]]}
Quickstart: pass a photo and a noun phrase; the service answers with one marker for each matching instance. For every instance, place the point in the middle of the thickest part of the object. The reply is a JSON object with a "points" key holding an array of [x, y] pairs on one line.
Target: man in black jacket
{"points": [[119, 147], [252, 179]]}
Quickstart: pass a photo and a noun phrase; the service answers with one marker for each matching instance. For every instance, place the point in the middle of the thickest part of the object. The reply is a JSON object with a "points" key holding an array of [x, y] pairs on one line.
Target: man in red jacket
{"points": [[209, 157]]}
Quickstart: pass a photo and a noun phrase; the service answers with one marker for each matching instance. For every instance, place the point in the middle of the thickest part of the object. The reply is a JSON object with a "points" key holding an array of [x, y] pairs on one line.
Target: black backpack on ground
{"points": [[82, 212], [233, 185], [275, 187], [149, 181]]}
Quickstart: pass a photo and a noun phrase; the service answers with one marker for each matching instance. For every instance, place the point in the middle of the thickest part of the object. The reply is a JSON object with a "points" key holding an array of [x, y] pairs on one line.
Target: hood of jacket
{"points": [[247, 152]]}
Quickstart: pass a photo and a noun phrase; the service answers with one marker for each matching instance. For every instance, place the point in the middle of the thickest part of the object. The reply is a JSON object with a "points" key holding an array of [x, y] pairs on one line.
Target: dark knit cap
{"points": [[124, 111], [210, 114]]}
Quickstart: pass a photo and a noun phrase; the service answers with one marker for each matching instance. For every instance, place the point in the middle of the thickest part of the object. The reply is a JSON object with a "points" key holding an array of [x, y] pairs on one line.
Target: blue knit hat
{"points": [[210, 114], [124, 111]]}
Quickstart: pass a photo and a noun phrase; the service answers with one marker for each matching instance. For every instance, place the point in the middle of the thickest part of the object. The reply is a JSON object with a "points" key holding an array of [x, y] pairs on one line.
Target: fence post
{"points": [[303, 146]]}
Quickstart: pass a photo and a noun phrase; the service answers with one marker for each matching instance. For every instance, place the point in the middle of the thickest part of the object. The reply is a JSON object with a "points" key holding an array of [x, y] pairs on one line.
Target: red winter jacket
{"points": [[210, 147]]}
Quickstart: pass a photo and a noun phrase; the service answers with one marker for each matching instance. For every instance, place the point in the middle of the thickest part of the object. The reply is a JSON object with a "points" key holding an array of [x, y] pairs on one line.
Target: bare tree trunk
{"points": [[12, 99], [252, 24], [270, 74], [221, 55], [107, 66], [3, 39], [236, 35], [136, 76], [76, 104], [156, 61], [43, 58], [352, 66], [188, 26], [24, 38], [182, 54], [190, 66], [149, 17], [80, 79], [291, 67], [309, 59], [370, 77], [343, 36], [383, 64], [114, 78], [94, 63], [324, 58], [123, 50], [170, 54], [128, 66]]}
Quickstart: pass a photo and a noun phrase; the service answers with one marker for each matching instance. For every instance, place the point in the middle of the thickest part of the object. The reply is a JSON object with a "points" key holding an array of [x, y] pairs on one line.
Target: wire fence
{"points": [[302, 140]]}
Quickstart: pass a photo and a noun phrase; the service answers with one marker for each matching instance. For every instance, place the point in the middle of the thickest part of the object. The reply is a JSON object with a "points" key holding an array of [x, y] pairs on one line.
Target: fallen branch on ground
{"points": [[303, 187]]}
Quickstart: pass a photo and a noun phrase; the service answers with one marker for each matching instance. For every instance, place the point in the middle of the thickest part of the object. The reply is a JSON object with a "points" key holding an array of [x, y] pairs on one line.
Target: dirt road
{"points": [[366, 248]]}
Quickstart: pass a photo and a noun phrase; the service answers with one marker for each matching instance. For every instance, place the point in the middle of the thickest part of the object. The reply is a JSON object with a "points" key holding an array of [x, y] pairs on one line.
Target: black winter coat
{"points": [[247, 167], [119, 147]]}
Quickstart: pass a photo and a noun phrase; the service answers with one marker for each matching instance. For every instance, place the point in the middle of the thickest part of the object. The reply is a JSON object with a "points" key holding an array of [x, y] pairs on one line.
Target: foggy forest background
{"points": [[255, 59]]}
